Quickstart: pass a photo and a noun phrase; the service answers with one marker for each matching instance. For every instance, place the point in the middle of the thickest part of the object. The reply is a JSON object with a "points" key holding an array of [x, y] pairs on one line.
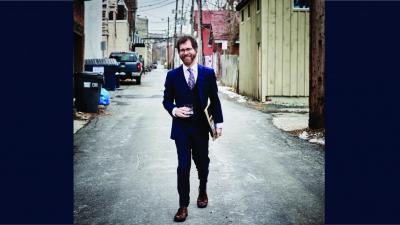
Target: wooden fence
{"points": [[229, 71]]}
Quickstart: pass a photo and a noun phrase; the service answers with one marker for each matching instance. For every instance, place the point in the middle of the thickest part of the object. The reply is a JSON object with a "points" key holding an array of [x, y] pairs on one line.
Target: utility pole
{"points": [[192, 18], [199, 32], [176, 18], [134, 20], [317, 65], [183, 1], [168, 67]]}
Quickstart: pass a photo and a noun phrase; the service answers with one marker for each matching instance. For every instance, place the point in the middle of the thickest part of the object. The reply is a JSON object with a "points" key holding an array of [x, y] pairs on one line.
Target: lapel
{"points": [[200, 82], [181, 79]]}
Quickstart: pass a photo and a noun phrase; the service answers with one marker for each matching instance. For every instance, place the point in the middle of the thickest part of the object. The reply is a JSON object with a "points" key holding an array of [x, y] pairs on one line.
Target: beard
{"points": [[188, 59]]}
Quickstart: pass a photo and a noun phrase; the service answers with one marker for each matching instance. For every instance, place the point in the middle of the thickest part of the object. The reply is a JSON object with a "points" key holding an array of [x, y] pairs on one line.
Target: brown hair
{"points": [[185, 38]]}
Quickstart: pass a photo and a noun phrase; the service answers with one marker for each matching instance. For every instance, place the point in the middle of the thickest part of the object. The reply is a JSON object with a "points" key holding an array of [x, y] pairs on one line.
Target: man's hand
{"points": [[218, 132], [183, 112]]}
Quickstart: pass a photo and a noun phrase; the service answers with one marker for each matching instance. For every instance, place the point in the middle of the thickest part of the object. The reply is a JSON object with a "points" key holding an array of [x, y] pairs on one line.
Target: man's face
{"points": [[187, 53]]}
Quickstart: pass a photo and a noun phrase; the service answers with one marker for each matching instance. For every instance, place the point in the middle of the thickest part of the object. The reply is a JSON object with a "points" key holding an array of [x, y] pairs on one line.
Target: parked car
{"points": [[129, 65], [147, 68]]}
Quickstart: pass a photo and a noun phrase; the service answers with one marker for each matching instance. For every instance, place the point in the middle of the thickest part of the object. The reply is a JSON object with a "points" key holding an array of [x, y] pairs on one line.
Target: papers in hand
{"points": [[211, 124]]}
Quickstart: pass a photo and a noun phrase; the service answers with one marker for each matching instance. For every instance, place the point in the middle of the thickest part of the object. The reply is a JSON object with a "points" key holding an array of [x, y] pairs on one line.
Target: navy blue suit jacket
{"points": [[175, 95]]}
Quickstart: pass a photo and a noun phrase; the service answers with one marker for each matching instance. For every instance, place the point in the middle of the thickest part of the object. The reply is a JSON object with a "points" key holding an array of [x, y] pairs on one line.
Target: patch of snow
{"points": [[318, 140], [290, 121], [304, 135], [241, 100], [231, 94], [225, 89]]}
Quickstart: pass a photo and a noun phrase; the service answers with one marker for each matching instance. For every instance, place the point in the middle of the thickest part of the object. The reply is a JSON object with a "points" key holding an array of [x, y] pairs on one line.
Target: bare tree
{"points": [[233, 22], [317, 65]]}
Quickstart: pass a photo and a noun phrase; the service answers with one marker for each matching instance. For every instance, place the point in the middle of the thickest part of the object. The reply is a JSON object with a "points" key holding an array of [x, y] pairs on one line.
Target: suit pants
{"points": [[191, 144]]}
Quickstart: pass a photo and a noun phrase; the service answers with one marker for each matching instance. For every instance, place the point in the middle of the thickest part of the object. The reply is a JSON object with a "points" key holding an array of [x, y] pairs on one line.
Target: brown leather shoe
{"points": [[181, 215], [202, 200]]}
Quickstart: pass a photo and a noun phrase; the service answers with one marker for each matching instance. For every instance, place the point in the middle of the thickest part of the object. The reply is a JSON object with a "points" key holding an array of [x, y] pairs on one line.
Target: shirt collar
{"points": [[194, 68]]}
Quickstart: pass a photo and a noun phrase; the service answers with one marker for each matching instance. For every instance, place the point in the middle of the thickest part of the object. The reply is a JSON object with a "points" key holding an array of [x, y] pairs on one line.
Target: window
{"points": [[124, 57], [210, 38], [301, 4], [242, 16], [121, 13], [248, 10], [258, 5]]}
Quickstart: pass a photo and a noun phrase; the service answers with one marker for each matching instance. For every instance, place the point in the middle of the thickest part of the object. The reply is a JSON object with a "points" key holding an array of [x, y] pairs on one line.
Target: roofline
{"points": [[241, 4]]}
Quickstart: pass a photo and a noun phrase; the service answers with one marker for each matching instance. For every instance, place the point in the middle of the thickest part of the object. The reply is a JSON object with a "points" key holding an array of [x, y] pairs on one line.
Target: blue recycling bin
{"points": [[87, 89], [108, 67]]}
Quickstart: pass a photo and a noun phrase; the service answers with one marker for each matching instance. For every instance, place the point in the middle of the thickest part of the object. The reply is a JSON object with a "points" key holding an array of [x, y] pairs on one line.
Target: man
{"points": [[141, 60], [191, 85]]}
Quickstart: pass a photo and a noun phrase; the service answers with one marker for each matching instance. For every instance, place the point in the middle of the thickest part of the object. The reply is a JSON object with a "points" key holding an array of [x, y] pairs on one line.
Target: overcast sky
{"points": [[157, 11]]}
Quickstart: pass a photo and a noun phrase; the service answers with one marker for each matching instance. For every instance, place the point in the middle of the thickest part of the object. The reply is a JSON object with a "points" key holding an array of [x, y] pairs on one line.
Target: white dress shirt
{"points": [[186, 72], [194, 69]]}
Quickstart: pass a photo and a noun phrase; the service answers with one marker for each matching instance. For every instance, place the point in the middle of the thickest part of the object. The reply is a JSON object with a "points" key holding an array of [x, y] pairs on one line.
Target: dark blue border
{"points": [[362, 120], [36, 169]]}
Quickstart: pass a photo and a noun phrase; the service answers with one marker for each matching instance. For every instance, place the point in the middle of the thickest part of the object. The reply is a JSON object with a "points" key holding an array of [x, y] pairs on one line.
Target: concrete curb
{"points": [[81, 119]]}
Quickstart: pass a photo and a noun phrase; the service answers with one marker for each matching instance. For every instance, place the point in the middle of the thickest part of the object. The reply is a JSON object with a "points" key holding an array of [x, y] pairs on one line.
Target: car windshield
{"points": [[124, 57]]}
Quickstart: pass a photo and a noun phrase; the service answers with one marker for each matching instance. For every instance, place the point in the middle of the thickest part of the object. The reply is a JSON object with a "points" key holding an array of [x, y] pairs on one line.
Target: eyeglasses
{"points": [[183, 50]]}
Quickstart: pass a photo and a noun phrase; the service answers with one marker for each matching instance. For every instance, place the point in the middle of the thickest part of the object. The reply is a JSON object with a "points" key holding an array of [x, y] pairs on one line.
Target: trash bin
{"points": [[87, 91], [108, 67]]}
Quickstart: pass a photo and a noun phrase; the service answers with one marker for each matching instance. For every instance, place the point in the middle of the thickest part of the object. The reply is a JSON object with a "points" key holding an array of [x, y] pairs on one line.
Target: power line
{"points": [[158, 24], [149, 2], [156, 7], [153, 4], [152, 15]]}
